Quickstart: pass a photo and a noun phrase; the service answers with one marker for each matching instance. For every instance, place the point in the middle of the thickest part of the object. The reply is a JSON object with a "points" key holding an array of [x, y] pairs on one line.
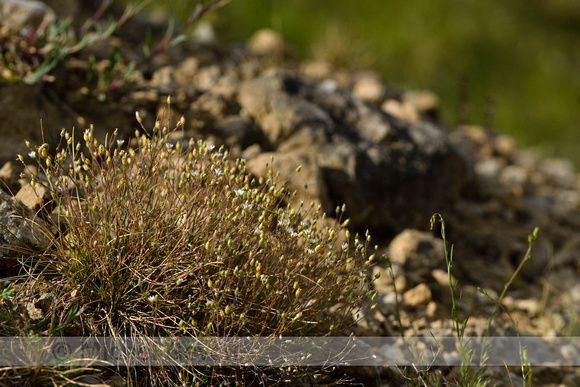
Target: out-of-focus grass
{"points": [[523, 55]]}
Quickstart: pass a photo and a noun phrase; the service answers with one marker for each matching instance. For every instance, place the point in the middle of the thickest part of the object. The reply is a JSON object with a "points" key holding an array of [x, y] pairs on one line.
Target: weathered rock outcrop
{"points": [[19, 228], [390, 173]]}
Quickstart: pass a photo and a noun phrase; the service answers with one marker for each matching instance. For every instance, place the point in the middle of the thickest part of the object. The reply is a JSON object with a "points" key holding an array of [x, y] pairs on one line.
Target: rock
{"points": [[19, 228], [424, 102], [420, 294], [530, 306], [215, 105], [266, 42], [271, 102], [46, 302], [207, 77], [416, 250], [542, 254], [204, 33], [431, 309], [391, 174], [286, 164], [384, 284], [368, 324], [163, 80], [33, 197], [184, 74], [402, 110], [387, 304], [65, 8], [442, 278], [571, 297], [568, 253], [369, 87], [418, 253], [504, 145], [34, 313], [9, 176], [23, 17], [24, 123], [239, 131], [319, 70], [475, 303]]}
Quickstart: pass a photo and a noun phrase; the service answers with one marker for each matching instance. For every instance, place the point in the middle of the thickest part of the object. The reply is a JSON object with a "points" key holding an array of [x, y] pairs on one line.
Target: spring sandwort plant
{"points": [[164, 237]]}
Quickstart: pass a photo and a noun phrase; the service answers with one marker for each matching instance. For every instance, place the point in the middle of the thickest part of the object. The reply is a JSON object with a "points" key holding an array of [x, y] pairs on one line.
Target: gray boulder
{"points": [[20, 229], [391, 174], [23, 17]]}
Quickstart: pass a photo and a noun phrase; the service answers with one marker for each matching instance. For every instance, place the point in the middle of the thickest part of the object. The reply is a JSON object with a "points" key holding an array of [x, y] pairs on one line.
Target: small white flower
{"points": [[169, 145], [239, 192], [219, 172], [32, 155], [292, 233], [210, 146], [120, 142], [152, 299]]}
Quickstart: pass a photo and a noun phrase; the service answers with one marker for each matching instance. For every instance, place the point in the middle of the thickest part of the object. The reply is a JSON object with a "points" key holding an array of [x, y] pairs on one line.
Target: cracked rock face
{"points": [[391, 174], [18, 228], [23, 17]]}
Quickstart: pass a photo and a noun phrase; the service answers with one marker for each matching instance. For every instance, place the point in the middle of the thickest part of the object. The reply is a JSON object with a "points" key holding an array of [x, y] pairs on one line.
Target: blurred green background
{"points": [[521, 57]]}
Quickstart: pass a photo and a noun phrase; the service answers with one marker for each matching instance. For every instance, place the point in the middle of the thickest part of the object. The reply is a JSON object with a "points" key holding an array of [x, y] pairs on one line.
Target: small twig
{"points": [[199, 11]]}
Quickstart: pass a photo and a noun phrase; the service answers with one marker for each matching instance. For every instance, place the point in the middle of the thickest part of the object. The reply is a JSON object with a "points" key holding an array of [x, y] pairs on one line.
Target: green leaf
{"points": [[130, 69], [60, 329], [40, 72], [72, 313], [177, 40], [148, 43], [39, 326]]}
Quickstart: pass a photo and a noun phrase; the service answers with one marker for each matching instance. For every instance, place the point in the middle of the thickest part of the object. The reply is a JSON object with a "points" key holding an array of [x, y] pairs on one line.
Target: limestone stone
{"points": [[23, 17], [420, 294], [9, 176], [33, 197], [390, 174], [19, 228], [266, 42]]}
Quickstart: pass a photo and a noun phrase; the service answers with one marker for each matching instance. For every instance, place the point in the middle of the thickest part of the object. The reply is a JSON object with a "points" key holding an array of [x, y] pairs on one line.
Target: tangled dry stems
{"points": [[162, 237]]}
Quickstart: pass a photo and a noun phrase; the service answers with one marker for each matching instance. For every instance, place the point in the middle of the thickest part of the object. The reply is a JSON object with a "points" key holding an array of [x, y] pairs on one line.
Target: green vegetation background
{"points": [[524, 55]]}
